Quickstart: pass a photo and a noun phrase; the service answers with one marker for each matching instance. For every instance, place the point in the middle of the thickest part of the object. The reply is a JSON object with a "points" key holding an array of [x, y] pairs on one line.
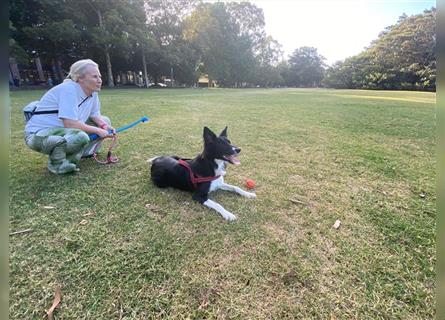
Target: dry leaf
{"points": [[57, 298], [48, 207]]}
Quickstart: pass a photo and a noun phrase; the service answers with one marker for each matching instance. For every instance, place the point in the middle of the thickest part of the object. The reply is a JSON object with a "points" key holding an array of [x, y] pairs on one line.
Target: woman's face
{"points": [[91, 81]]}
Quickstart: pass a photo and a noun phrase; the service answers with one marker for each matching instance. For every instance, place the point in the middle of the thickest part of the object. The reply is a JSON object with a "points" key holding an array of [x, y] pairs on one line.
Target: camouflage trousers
{"points": [[64, 146]]}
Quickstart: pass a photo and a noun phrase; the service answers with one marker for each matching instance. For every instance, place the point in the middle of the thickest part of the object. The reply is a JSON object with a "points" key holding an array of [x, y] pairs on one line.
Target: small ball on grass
{"points": [[250, 184]]}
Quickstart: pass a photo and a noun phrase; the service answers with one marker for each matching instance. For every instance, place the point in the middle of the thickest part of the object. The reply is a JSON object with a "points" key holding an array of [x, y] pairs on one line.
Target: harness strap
{"points": [[34, 112], [194, 178], [45, 112]]}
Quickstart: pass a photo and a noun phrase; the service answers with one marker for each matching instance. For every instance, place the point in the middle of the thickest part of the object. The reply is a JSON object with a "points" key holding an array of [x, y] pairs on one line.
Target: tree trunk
{"points": [[14, 68], [144, 65], [109, 70], [54, 70], [39, 69], [11, 79], [59, 70], [107, 55]]}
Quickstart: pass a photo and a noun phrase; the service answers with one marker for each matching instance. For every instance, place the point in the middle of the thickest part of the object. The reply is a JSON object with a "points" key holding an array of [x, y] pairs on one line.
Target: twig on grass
{"points": [[19, 232], [298, 202], [121, 312]]}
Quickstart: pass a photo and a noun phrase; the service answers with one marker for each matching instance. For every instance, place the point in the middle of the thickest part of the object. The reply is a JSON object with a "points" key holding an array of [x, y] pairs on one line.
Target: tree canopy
{"points": [[183, 39], [403, 57], [306, 67]]}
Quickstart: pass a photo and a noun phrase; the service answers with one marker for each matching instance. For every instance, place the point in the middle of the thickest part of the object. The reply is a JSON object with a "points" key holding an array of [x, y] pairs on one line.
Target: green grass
{"points": [[120, 247]]}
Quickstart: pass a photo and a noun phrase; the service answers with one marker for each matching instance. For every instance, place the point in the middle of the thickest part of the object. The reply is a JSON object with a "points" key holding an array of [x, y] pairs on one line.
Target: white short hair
{"points": [[77, 69]]}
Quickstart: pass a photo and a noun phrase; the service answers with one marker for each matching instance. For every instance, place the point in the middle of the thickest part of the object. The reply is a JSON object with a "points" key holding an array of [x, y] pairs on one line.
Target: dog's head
{"points": [[220, 147]]}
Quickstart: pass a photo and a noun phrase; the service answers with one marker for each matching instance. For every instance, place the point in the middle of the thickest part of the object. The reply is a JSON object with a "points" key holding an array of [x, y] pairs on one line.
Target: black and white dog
{"points": [[203, 174]]}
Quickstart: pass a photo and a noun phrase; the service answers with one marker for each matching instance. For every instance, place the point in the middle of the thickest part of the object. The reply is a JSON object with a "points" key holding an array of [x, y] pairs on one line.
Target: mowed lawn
{"points": [[120, 248]]}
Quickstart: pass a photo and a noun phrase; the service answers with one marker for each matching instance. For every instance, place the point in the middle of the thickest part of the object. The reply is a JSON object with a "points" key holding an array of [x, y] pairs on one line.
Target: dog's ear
{"points": [[209, 136], [223, 133]]}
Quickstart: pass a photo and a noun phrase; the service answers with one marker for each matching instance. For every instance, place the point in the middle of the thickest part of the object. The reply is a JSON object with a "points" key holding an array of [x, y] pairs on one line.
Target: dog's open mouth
{"points": [[232, 159]]}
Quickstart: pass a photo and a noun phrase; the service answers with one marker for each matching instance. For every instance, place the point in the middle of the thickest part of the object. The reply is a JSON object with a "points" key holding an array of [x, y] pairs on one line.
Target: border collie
{"points": [[203, 174]]}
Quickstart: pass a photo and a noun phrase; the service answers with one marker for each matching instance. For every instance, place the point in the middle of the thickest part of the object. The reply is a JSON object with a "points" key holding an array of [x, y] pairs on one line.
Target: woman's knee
{"points": [[50, 143], [45, 140], [76, 141]]}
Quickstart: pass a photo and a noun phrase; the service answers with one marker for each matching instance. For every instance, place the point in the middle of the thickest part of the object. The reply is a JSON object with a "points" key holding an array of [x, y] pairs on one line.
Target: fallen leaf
{"points": [[57, 298], [48, 207]]}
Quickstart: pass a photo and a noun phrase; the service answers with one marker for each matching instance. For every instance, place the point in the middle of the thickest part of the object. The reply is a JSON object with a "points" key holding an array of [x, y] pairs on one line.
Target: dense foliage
{"points": [[225, 40], [403, 57]]}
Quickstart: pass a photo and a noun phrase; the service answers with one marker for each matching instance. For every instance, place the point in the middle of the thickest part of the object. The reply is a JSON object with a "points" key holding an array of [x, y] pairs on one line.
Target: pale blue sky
{"points": [[337, 28]]}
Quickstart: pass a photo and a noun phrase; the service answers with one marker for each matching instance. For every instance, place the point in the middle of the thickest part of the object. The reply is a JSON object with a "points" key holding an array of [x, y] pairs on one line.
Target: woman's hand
{"points": [[104, 133], [105, 126]]}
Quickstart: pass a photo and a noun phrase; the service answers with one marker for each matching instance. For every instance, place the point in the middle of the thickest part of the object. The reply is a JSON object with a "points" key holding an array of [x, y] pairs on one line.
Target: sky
{"points": [[337, 28]]}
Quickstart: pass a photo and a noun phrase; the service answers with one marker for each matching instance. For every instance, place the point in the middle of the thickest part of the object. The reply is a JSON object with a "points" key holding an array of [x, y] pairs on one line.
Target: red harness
{"points": [[196, 179]]}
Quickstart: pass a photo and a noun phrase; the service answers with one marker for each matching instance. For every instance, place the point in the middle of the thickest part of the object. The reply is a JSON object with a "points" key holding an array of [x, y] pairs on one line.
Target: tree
{"points": [[165, 22], [306, 67], [109, 23], [269, 55], [45, 31], [15, 50], [229, 38], [67, 31], [403, 57], [407, 49]]}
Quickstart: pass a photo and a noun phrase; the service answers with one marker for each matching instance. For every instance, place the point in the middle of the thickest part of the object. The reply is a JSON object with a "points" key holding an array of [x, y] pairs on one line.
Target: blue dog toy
{"points": [[94, 136], [110, 158]]}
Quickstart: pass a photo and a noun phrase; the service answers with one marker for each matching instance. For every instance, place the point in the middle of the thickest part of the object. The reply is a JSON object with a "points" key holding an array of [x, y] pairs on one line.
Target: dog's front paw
{"points": [[229, 217], [250, 195]]}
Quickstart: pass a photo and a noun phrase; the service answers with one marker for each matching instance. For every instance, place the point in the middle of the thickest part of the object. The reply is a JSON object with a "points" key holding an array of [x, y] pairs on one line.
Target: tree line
{"points": [[183, 39], [403, 57]]}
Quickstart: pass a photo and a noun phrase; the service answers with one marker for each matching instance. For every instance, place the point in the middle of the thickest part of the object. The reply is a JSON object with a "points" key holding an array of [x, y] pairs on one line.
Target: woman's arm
{"points": [[75, 124], [101, 123]]}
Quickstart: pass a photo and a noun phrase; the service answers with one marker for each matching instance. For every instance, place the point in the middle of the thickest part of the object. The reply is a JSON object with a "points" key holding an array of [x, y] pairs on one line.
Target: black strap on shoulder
{"points": [[57, 111], [83, 101], [45, 112]]}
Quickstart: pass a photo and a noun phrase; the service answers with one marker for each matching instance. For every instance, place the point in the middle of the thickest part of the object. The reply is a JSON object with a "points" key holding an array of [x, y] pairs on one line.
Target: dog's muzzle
{"points": [[232, 159]]}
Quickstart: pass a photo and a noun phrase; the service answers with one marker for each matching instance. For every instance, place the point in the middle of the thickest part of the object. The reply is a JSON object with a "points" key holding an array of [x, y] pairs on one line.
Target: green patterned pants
{"points": [[65, 146]]}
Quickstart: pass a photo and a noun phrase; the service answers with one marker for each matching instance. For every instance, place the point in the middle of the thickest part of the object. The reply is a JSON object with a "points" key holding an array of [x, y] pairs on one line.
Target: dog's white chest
{"points": [[220, 171]]}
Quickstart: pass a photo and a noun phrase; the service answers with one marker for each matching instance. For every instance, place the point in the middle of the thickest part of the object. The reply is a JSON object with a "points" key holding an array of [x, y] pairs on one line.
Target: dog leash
{"points": [[110, 158], [194, 178]]}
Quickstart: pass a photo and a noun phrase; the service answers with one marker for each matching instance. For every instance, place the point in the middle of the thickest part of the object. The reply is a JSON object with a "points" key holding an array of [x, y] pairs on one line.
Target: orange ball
{"points": [[250, 183]]}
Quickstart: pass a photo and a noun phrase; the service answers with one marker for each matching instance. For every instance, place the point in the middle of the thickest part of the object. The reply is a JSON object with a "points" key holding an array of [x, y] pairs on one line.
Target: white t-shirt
{"points": [[72, 103]]}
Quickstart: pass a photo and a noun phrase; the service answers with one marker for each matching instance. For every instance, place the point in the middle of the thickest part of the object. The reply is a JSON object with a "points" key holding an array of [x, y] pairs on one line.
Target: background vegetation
{"points": [[225, 40], [121, 248]]}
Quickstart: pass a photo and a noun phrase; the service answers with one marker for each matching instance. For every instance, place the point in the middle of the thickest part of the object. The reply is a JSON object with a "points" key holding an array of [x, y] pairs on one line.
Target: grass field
{"points": [[121, 248]]}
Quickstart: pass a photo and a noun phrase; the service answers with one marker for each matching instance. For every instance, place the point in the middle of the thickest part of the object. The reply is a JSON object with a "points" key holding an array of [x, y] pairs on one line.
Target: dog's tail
{"points": [[152, 159]]}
